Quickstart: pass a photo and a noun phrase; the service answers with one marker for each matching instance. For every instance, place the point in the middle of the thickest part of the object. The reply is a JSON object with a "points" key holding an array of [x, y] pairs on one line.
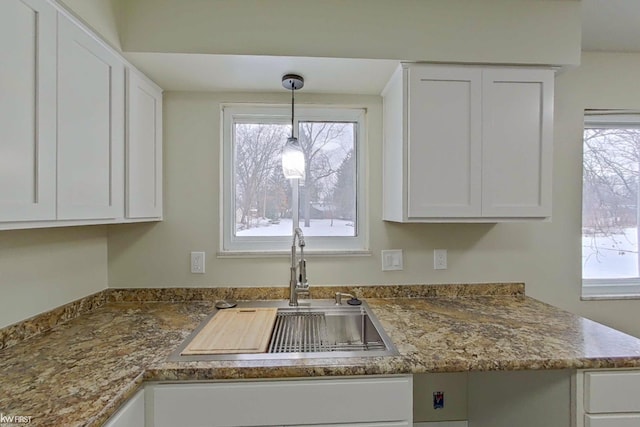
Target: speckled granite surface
{"points": [[43, 322], [80, 372], [36, 325]]}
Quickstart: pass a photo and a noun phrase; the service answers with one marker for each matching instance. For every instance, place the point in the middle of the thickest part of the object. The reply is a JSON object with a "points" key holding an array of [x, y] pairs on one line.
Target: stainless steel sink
{"points": [[318, 330]]}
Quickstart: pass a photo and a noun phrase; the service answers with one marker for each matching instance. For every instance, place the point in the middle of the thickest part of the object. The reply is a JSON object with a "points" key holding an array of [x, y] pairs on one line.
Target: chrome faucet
{"points": [[298, 284]]}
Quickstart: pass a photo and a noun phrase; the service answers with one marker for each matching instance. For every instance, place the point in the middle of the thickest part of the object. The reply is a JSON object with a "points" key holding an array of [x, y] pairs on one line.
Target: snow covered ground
{"points": [[318, 227], [610, 257]]}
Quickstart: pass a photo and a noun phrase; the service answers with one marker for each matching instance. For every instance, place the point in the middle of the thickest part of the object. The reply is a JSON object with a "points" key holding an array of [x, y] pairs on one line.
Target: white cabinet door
{"points": [[612, 391], [622, 420], [607, 398], [517, 142], [143, 148], [27, 110], [90, 127], [130, 415], [392, 424], [397, 424], [467, 144], [377, 401], [444, 146]]}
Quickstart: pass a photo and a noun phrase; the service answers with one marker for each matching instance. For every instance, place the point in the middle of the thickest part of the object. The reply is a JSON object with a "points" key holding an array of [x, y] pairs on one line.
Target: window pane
{"points": [[328, 193], [262, 193], [610, 203]]}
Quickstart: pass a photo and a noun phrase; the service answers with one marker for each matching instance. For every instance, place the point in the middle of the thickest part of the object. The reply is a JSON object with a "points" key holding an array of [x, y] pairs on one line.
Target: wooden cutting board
{"points": [[235, 330]]}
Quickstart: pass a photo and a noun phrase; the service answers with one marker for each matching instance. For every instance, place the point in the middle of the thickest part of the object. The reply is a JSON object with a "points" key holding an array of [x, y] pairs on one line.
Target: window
{"points": [[260, 207], [610, 208]]}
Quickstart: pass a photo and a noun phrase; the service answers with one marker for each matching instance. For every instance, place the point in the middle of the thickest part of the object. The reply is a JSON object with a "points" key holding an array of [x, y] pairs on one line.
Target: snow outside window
{"points": [[260, 207], [610, 205]]}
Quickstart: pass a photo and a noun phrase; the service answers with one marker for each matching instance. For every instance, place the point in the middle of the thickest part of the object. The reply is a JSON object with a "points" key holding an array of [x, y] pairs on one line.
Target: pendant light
{"points": [[292, 155]]}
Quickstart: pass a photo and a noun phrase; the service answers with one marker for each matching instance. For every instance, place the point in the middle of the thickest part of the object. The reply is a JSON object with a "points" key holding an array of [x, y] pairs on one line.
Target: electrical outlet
{"points": [[439, 259], [197, 262], [440, 397]]}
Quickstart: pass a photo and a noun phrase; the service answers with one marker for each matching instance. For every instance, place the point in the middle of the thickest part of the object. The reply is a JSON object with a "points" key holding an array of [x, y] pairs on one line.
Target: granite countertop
{"points": [[81, 371]]}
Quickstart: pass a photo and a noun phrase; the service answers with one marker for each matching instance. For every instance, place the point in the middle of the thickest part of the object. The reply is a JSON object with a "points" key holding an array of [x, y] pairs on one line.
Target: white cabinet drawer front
{"points": [[623, 420], [334, 401], [612, 392]]}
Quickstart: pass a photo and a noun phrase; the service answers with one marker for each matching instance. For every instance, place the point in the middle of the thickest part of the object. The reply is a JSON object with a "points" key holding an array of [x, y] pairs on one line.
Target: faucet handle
{"points": [[304, 292]]}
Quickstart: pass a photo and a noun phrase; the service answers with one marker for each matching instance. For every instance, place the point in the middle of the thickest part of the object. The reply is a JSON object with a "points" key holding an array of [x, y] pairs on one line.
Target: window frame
{"points": [[609, 288], [231, 245]]}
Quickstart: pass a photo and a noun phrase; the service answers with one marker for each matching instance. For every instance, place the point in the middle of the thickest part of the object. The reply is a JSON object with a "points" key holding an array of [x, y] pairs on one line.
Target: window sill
{"points": [[609, 297], [610, 289], [287, 254]]}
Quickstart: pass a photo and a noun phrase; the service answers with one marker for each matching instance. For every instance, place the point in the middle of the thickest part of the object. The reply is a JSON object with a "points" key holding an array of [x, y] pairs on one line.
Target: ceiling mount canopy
{"points": [[293, 163], [292, 82]]}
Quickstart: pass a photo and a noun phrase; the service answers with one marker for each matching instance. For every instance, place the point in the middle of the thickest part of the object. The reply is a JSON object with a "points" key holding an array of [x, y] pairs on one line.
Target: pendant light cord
{"points": [[293, 89]]}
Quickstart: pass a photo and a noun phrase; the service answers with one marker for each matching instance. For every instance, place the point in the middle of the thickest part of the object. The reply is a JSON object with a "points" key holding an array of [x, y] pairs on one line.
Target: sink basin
{"points": [[318, 330]]}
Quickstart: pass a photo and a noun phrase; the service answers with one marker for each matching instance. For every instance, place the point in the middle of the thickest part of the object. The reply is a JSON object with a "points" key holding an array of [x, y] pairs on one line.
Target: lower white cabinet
{"points": [[607, 398], [130, 415], [371, 401], [608, 391], [398, 424], [625, 420]]}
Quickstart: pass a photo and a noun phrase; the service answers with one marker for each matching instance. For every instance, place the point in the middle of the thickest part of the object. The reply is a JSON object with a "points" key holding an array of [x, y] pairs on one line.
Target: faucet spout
{"points": [[298, 233], [298, 284]]}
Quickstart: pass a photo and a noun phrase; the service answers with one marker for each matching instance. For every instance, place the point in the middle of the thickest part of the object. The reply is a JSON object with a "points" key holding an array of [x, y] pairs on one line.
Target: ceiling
{"points": [[607, 25], [250, 73]]}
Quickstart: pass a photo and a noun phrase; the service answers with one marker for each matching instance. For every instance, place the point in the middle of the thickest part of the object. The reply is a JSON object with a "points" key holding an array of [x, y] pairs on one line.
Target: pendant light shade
{"points": [[293, 159], [293, 164]]}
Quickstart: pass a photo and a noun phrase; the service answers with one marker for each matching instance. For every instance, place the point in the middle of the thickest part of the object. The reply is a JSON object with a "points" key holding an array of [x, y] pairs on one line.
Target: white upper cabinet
{"points": [[90, 127], [143, 148], [467, 144], [62, 125], [517, 136], [444, 142], [27, 110]]}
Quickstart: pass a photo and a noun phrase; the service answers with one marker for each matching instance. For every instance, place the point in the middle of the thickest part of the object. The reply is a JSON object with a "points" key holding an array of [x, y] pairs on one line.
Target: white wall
{"points": [[103, 16], [46, 268], [158, 255], [604, 80], [511, 31], [520, 398], [545, 255]]}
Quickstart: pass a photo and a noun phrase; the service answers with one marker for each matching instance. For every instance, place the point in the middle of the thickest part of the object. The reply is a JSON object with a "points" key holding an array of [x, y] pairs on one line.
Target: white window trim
{"points": [[612, 288], [237, 246]]}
